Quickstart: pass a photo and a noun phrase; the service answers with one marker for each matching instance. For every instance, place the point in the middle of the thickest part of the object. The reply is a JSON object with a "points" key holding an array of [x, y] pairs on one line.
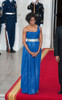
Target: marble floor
{"points": [[10, 70]]}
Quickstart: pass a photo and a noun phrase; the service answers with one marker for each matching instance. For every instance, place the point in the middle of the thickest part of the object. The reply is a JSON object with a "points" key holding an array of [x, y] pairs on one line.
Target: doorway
{"points": [[57, 16], [59, 13]]}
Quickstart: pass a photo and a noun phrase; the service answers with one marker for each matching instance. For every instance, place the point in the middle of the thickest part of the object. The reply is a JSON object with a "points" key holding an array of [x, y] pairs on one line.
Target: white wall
{"points": [[21, 13], [47, 23], [2, 35]]}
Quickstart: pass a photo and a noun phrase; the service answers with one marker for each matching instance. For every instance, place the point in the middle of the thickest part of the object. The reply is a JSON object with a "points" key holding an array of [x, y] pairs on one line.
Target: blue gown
{"points": [[30, 66]]}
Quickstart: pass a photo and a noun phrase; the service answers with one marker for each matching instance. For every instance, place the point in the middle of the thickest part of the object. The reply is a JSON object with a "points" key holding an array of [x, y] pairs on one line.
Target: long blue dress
{"points": [[30, 66]]}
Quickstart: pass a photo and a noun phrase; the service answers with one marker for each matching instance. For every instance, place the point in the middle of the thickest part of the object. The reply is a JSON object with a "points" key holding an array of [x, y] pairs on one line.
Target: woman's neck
{"points": [[32, 25]]}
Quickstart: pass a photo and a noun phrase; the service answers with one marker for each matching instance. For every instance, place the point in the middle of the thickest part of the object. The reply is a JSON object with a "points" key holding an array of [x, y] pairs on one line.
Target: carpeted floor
{"points": [[49, 81]]}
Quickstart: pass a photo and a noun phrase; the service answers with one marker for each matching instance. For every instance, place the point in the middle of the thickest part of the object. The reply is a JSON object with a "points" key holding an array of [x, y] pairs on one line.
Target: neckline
{"points": [[35, 31]]}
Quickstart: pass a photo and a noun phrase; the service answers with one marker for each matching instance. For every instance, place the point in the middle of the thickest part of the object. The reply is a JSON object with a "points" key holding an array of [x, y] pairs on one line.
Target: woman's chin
{"points": [[32, 24]]}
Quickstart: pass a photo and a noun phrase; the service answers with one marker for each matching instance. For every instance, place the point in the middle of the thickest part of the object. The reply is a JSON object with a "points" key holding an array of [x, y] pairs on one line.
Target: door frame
{"points": [[53, 21]]}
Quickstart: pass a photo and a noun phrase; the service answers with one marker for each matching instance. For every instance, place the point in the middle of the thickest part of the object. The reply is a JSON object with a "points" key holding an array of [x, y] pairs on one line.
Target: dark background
{"points": [[59, 13]]}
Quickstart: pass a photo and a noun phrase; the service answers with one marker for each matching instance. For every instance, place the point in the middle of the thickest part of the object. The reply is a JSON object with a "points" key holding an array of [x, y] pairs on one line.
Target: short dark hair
{"points": [[29, 16]]}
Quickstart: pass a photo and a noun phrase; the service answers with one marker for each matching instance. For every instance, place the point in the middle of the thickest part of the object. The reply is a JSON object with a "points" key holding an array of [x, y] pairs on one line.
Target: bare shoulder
{"points": [[27, 26], [25, 29]]}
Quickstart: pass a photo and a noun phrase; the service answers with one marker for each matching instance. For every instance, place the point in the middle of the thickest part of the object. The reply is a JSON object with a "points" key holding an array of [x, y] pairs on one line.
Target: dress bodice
{"points": [[33, 35]]}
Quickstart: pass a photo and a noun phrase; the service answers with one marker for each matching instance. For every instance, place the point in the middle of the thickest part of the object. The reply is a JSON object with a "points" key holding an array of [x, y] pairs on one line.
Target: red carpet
{"points": [[49, 82]]}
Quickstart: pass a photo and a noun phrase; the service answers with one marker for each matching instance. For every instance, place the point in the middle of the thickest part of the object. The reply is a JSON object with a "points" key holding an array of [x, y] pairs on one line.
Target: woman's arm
{"points": [[40, 44], [40, 39], [24, 39]]}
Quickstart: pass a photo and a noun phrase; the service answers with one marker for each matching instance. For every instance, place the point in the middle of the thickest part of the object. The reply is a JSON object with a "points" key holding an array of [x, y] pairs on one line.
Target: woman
{"points": [[31, 56]]}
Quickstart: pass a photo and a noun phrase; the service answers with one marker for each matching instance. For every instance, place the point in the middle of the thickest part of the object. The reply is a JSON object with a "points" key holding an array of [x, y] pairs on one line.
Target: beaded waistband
{"points": [[32, 40]]}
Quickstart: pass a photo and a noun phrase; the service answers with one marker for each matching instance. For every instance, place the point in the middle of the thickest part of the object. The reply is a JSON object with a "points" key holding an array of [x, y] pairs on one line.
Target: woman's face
{"points": [[32, 21]]}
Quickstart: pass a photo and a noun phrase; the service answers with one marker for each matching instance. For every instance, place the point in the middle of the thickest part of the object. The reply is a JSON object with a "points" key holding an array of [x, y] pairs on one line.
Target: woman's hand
{"points": [[34, 54]]}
